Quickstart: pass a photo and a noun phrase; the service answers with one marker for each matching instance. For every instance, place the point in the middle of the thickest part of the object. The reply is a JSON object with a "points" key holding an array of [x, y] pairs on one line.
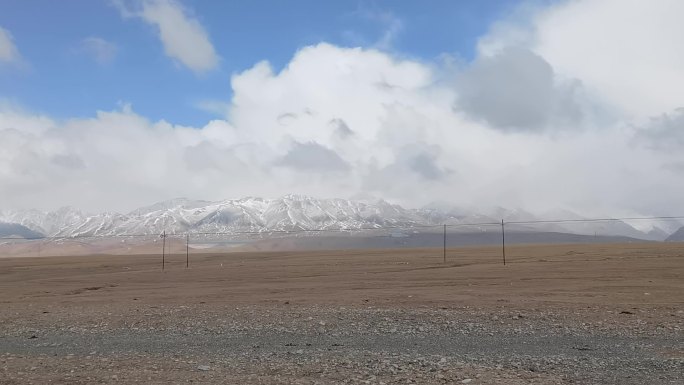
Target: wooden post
{"points": [[503, 242], [445, 243], [187, 251], [163, 248]]}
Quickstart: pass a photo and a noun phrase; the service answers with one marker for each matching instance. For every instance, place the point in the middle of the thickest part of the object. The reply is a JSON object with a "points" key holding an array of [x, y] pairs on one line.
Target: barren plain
{"points": [[554, 314]]}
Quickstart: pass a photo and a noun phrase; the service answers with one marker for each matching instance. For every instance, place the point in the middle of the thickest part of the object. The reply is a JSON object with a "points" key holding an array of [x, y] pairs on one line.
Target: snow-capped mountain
{"points": [[677, 236], [14, 230], [297, 212], [291, 212]]}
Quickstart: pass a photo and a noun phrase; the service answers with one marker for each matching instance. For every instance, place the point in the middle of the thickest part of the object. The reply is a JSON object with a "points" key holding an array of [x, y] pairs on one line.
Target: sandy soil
{"points": [[572, 275], [55, 310]]}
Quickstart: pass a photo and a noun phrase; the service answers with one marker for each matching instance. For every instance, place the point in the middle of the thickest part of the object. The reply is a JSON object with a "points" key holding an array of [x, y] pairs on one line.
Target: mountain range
{"points": [[292, 213]]}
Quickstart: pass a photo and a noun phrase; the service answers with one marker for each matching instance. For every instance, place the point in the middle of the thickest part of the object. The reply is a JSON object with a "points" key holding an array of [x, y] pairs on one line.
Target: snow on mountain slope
{"points": [[288, 213], [44, 222], [14, 230], [677, 236]]}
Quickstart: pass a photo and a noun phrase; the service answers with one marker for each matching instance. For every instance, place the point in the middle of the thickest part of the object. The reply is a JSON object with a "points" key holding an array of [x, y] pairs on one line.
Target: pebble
{"points": [[334, 356]]}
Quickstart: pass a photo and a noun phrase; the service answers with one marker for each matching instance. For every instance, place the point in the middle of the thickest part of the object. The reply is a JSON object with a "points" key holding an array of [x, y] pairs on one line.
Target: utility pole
{"points": [[445, 243], [503, 242], [163, 248]]}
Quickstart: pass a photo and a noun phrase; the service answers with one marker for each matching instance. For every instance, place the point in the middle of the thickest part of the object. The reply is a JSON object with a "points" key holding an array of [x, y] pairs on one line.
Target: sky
{"points": [[542, 105]]}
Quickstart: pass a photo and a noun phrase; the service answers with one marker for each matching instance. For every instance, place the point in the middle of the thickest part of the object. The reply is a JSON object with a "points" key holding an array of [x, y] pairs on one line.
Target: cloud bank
{"points": [[525, 124]]}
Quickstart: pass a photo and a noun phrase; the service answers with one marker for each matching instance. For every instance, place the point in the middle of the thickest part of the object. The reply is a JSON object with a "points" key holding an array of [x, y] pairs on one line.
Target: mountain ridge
{"points": [[294, 213], [677, 236]]}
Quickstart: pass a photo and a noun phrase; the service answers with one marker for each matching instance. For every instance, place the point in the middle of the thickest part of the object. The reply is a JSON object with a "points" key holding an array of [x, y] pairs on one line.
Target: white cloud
{"points": [[517, 89], [665, 132], [183, 37], [390, 27], [626, 52], [382, 125], [8, 50], [99, 49], [312, 157], [216, 107]]}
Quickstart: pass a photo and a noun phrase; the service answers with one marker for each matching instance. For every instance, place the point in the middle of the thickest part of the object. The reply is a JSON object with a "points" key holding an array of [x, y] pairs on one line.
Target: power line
{"points": [[596, 220]]}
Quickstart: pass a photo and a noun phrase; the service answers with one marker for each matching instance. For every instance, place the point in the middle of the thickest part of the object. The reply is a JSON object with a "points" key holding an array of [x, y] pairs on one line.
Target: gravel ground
{"points": [[356, 345], [555, 314]]}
